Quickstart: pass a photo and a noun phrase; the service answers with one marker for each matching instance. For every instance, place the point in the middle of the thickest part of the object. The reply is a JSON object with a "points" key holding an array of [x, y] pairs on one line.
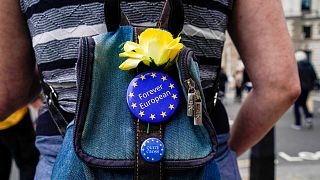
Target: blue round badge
{"points": [[153, 96], [152, 150]]}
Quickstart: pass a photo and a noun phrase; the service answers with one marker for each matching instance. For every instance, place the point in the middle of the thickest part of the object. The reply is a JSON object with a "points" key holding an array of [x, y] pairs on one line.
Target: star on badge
{"points": [[152, 116], [135, 84], [174, 96], [133, 105], [153, 75], [131, 94], [164, 78], [171, 86], [163, 114], [141, 113], [171, 106], [143, 77]]}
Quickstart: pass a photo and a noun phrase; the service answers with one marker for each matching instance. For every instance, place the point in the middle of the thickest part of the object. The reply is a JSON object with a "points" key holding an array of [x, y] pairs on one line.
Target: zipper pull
{"points": [[190, 103], [197, 109], [215, 99]]}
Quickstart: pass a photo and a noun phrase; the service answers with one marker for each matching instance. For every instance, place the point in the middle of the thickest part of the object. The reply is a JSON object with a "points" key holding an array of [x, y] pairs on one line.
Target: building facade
{"points": [[303, 21]]}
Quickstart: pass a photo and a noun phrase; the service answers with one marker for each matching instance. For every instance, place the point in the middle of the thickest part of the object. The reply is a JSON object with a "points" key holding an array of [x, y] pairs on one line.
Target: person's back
{"points": [[307, 75], [55, 28]]}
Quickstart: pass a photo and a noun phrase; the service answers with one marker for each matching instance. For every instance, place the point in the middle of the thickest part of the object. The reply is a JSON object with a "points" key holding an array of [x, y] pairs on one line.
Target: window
{"points": [[305, 5], [307, 32]]}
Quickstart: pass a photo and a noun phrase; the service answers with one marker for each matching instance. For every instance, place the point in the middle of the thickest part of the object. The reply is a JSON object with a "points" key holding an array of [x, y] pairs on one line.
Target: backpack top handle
{"points": [[172, 16]]}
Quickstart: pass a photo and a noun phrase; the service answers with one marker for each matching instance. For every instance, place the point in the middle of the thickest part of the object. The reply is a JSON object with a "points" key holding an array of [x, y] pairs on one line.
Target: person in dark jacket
{"points": [[307, 77], [223, 80]]}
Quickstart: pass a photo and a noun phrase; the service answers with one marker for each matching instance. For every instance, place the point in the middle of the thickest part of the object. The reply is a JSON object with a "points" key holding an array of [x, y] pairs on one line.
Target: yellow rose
{"points": [[155, 46]]}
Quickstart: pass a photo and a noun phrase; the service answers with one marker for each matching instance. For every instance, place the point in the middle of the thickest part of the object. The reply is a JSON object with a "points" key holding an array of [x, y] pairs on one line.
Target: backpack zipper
{"points": [[194, 100], [198, 106]]}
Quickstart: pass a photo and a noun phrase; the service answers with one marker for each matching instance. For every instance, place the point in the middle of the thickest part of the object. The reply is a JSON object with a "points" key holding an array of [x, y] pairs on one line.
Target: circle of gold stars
{"points": [[163, 78], [147, 156]]}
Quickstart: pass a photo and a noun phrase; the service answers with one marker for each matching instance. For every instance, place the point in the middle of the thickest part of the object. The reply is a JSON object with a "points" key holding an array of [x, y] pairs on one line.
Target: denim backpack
{"points": [[104, 140]]}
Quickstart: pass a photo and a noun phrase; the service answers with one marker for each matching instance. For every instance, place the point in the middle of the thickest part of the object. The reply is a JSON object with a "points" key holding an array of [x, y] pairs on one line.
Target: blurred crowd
{"points": [[17, 142], [240, 83]]}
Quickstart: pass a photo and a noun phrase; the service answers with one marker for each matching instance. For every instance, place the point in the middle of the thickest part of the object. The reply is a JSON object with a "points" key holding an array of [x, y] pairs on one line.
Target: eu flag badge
{"points": [[153, 96]]}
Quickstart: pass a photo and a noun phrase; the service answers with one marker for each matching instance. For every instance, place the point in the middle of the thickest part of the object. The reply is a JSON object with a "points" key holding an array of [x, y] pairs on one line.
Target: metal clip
{"points": [[190, 103], [198, 109], [215, 99], [190, 107]]}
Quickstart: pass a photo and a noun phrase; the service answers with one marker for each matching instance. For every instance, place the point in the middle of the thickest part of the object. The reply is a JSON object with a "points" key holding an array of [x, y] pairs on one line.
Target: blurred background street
{"points": [[297, 151]]}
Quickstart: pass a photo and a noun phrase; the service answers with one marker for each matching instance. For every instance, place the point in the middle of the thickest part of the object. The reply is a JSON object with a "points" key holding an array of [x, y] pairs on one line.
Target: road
{"points": [[297, 151]]}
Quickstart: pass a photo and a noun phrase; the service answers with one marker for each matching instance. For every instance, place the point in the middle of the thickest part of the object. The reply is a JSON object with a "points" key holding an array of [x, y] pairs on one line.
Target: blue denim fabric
{"points": [[108, 110], [226, 159], [68, 166], [49, 147]]}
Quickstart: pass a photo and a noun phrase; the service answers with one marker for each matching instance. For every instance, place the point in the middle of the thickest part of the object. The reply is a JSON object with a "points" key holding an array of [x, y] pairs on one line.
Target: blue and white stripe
{"points": [[56, 26]]}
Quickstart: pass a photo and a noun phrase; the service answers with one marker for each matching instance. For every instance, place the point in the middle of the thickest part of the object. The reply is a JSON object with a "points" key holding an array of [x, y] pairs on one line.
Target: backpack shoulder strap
{"points": [[172, 16], [114, 17]]}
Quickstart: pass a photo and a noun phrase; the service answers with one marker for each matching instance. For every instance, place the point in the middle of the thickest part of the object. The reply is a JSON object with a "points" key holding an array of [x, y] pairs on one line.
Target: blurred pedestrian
{"points": [[307, 77], [246, 83], [17, 141], [238, 78], [223, 80]]}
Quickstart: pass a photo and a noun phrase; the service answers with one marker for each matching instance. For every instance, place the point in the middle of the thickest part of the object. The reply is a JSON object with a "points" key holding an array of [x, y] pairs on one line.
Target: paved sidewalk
{"points": [[297, 151]]}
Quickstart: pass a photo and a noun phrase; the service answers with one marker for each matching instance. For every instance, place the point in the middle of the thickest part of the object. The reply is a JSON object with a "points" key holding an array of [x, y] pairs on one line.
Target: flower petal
{"points": [[152, 33], [130, 64], [154, 40], [155, 45], [163, 58], [131, 54], [175, 50], [174, 42], [132, 46]]}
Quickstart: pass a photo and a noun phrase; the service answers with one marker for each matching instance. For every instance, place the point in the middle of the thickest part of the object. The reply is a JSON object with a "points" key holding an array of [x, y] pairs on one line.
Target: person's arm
{"points": [[18, 79], [259, 31]]}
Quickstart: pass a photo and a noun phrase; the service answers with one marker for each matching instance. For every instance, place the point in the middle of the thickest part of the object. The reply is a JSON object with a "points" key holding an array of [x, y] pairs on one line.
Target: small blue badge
{"points": [[153, 96], [152, 150]]}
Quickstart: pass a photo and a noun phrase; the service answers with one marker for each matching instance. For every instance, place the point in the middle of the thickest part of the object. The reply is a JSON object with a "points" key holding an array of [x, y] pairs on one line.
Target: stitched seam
{"points": [[137, 154]]}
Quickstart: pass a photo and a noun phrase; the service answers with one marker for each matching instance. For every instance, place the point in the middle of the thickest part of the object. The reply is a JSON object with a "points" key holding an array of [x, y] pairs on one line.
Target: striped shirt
{"points": [[56, 26]]}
